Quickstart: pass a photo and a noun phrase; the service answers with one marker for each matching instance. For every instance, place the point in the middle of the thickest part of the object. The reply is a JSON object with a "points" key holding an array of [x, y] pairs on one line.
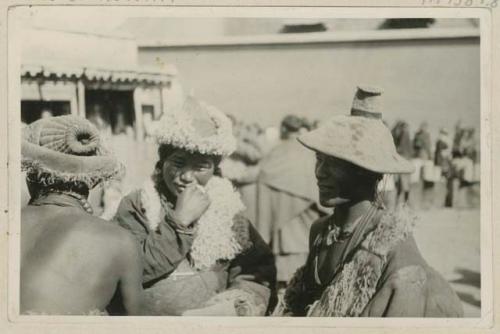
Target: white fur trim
{"points": [[215, 239], [151, 203], [176, 129]]}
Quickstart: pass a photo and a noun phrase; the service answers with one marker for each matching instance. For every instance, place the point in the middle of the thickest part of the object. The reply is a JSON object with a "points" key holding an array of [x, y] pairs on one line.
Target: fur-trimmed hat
{"points": [[196, 127], [66, 149], [361, 138]]}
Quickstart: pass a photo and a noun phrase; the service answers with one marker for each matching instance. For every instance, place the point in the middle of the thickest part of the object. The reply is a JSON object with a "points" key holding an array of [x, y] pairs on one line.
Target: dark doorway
{"points": [[111, 110], [34, 110]]}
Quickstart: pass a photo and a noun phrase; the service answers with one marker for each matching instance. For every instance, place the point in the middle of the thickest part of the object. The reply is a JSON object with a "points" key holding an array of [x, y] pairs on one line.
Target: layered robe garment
{"points": [[182, 274], [377, 272], [287, 204]]}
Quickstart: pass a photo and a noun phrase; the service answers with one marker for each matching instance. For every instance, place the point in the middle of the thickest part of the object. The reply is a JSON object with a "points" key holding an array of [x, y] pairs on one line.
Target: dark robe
{"points": [[164, 250], [398, 283]]}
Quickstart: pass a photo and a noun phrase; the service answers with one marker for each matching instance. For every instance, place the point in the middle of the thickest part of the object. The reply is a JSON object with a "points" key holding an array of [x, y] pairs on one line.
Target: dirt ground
{"points": [[449, 239]]}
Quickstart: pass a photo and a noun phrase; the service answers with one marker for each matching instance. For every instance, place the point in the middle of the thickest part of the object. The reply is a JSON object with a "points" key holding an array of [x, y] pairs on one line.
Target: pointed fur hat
{"points": [[197, 127]]}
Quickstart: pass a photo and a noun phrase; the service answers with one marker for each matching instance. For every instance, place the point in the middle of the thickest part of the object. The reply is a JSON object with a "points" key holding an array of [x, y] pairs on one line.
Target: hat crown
{"points": [[65, 134], [203, 125], [67, 149], [367, 102], [361, 138]]}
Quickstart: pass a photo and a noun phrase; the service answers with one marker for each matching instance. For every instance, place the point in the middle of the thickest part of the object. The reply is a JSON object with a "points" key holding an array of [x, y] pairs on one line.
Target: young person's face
{"points": [[331, 174], [340, 182], [182, 168]]}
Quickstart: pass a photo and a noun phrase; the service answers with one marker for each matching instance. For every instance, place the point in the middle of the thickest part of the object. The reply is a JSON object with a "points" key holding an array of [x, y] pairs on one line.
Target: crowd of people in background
{"points": [[448, 166]]}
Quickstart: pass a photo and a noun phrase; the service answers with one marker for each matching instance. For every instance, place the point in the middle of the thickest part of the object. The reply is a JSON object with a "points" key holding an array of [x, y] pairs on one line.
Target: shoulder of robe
{"points": [[418, 290], [407, 292]]}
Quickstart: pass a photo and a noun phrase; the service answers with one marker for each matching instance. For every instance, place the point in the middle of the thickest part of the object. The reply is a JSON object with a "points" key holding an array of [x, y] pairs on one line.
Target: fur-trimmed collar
{"points": [[216, 238]]}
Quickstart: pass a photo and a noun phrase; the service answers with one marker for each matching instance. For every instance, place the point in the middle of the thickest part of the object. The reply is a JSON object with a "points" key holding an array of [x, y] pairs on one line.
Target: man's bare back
{"points": [[72, 262]]}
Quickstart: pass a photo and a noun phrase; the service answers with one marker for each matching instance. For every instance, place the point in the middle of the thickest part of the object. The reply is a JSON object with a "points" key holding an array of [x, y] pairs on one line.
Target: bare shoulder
{"points": [[105, 231]]}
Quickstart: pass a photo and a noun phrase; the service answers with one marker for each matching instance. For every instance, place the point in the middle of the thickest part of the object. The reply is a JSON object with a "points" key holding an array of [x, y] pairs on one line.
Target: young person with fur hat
{"points": [[71, 261], [363, 259], [200, 255]]}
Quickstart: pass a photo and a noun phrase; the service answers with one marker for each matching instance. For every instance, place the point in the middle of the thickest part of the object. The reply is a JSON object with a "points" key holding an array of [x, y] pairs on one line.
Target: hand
{"points": [[191, 204], [235, 275]]}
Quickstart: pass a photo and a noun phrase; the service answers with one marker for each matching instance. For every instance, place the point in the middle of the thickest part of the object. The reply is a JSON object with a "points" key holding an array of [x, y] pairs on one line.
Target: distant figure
{"points": [[97, 117], [287, 199], [442, 153], [121, 125], [147, 121], [71, 262], [443, 160], [469, 145], [46, 114], [243, 166], [457, 140], [423, 155], [422, 143], [401, 135]]}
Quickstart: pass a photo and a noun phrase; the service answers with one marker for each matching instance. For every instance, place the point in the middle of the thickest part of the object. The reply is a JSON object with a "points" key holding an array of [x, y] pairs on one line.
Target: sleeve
{"points": [[163, 249], [257, 260]]}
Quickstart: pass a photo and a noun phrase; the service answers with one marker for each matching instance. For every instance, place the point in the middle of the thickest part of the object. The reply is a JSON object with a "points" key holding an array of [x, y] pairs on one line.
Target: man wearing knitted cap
{"points": [[200, 255], [363, 259], [71, 262]]}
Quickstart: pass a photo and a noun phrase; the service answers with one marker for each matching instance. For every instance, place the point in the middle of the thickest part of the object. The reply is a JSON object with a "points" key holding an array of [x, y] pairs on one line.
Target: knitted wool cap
{"points": [[361, 138], [196, 127], [66, 149]]}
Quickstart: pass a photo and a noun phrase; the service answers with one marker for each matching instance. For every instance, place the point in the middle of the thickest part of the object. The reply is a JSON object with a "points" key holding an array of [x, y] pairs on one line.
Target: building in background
{"points": [[94, 76], [248, 68]]}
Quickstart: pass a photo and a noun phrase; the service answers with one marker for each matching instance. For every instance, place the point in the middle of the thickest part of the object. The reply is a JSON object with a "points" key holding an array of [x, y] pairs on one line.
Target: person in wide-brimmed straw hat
{"points": [[60, 239], [200, 255], [363, 259]]}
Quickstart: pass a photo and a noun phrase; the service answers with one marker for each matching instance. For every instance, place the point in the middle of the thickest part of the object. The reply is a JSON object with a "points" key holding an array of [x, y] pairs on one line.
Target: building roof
{"points": [[139, 74]]}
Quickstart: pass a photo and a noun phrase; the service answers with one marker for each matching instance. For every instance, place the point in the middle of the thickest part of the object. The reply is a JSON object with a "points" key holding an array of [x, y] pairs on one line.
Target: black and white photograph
{"points": [[198, 163]]}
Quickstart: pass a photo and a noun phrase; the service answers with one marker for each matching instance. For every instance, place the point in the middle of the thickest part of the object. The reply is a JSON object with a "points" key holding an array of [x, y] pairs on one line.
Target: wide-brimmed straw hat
{"points": [[196, 127], [66, 149], [360, 138]]}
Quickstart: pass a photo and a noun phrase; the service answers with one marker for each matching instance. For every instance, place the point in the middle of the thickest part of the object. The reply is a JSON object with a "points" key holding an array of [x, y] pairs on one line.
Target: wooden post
{"points": [[80, 88], [139, 127], [162, 103]]}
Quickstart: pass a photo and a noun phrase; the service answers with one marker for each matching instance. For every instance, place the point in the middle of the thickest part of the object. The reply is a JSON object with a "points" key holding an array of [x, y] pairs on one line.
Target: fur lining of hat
{"points": [[37, 172], [176, 129]]}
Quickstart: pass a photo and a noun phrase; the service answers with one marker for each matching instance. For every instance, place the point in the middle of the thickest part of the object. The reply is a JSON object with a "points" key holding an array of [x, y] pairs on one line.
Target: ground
{"points": [[449, 240]]}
